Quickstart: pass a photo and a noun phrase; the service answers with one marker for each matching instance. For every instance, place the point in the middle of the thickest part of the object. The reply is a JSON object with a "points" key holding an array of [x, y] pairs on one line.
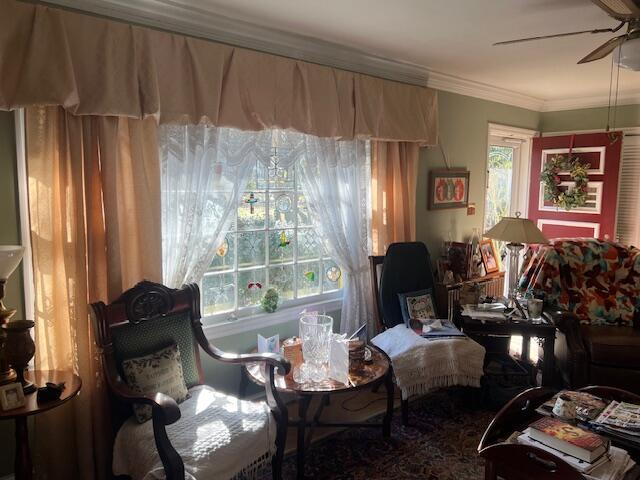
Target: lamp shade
{"points": [[516, 230], [10, 257]]}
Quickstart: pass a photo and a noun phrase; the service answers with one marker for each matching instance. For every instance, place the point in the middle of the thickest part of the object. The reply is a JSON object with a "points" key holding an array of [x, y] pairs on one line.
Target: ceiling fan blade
{"points": [[568, 34], [604, 49], [620, 9]]}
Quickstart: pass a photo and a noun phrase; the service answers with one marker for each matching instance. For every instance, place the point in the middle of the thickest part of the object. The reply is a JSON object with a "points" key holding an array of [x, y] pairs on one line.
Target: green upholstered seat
{"points": [[132, 340]]}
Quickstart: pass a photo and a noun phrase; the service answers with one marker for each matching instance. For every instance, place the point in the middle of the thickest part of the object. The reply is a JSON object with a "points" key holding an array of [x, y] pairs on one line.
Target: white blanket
{"points": [[421, 365], [217, 436]]}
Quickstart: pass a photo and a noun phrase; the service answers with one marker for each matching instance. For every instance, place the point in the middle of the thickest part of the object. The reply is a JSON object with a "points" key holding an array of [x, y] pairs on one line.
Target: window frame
{"points": [[331, 299]]}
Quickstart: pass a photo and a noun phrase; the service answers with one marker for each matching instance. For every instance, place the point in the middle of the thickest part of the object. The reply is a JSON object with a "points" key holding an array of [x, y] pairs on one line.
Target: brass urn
{"points": [[19, 349]]}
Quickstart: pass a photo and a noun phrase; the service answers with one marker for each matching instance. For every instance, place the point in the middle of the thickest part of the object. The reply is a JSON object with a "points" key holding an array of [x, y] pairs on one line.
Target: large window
{"points": [[498, 193], [271, 244]]}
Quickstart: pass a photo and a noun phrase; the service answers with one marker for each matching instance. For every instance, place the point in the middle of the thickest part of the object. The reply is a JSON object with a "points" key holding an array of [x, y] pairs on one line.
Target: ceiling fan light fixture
{"points": [[629, 54]]}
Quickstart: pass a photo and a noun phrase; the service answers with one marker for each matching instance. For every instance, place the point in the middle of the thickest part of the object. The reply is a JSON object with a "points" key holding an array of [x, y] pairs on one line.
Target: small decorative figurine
{"points": [[223, 249], [283, 240], [254, 285], [252, 200], [270, 300]]}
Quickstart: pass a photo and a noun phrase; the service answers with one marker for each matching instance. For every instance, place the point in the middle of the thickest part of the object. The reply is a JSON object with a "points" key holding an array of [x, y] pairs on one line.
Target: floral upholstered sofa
{"points": [[593, 288]]}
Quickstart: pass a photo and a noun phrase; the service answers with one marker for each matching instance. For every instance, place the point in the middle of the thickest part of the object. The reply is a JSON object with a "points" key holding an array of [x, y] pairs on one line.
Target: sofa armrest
{"points": [[577, 362]]}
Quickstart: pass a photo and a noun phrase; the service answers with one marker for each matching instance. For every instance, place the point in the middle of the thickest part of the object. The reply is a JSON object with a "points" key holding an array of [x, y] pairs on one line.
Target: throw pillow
{"points": [[418, 306], [159, 371]]}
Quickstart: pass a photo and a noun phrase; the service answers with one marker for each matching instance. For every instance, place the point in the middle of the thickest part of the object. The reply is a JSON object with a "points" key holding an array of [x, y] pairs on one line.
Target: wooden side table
{"points": [[377, 372], [23, 464]]}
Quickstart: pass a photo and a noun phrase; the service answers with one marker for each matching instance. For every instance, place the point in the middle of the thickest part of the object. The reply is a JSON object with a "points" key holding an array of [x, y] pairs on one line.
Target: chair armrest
{"points": [[162, 405], [276, 360]]}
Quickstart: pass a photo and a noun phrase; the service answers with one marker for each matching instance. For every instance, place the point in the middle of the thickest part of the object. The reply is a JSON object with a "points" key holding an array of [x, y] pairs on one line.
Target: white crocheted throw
{"points": [[218, 437], [421, 365]]}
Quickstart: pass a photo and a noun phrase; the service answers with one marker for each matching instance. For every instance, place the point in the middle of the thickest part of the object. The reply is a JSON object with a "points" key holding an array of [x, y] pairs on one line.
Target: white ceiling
{"points": [[453, 37]]}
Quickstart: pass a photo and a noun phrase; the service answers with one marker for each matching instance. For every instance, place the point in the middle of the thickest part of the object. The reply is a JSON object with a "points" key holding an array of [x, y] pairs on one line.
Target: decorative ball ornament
{"points": [[269, 301], [573, 197]]}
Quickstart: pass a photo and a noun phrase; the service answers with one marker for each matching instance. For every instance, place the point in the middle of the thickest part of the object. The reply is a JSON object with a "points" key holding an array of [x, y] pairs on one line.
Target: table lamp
{"points": [[10, 257], [516, 231]]}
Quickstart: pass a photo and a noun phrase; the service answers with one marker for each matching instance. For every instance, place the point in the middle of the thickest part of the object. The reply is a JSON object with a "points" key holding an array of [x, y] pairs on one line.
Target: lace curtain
{"points": [[204, 171], [336, 178]]}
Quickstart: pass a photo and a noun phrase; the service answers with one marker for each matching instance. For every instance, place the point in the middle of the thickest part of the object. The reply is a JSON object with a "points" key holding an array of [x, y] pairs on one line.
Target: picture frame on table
{"points": [[448, 188], [489, 254], [11, 396]]}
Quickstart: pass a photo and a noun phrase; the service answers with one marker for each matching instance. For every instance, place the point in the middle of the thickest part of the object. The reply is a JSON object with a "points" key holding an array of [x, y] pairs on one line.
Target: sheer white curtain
{"points": [[336, 178], [204, 171]]}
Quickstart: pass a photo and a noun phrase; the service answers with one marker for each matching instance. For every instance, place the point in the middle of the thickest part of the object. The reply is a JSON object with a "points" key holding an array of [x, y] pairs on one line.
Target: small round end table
{"points": [[372, 374], [23, 464]]}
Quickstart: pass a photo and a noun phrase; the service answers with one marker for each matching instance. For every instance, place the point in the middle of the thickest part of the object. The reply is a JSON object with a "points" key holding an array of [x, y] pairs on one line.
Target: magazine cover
{"points": [[588, 406], [621, 415]]}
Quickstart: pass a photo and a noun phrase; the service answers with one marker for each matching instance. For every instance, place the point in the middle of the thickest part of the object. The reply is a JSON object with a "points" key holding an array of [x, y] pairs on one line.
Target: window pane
{"points": [[304, 216], [281, 278], [218, 292], [280, 246], [309, 246], [258, 178], [281, 210], [249, 218], [223, 258], [251, 249], [331, 276], [308, 278], [249, 292], [498, 195], [280, 178]]}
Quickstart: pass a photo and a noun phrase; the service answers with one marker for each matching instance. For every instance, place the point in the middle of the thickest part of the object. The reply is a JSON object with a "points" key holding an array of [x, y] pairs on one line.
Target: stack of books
{"points": [[586, 451]]}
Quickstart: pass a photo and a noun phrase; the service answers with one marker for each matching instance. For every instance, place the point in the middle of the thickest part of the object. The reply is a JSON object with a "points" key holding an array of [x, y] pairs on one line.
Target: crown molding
{"points": [[173, 16], [596, 101], [450, 83]]}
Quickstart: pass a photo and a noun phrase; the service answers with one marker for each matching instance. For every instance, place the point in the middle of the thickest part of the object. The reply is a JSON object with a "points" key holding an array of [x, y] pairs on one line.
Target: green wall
{"points": [[589, 119], [9, 235], [463, 133]]}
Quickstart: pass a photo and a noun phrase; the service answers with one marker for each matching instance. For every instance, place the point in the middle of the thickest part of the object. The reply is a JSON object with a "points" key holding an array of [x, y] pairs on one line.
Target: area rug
{"points": [[439, 444]]}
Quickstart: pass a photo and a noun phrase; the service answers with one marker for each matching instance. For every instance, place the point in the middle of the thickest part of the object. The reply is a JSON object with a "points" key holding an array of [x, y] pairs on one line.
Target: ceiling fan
{"points": [[627, 12]]}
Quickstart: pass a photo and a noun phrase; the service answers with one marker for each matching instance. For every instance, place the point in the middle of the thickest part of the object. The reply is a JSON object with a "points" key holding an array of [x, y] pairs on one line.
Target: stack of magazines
{"points": [[620, 420]]}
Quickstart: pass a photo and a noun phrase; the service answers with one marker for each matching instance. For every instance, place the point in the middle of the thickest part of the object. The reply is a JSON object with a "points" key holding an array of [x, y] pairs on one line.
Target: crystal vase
{"points": [[315, 332]]}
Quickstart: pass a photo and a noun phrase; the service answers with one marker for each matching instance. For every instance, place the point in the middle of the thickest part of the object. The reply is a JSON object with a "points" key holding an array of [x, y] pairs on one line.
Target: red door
{"points": [[597, 218]]}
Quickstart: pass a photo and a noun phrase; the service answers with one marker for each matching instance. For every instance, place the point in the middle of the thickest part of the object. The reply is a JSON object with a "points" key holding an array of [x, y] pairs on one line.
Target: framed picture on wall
{"points": [[448, 188], [489, 256]]}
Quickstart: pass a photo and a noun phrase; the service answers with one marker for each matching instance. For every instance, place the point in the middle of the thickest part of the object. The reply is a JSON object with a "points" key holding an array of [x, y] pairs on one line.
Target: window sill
{"points": [[261, 320]]}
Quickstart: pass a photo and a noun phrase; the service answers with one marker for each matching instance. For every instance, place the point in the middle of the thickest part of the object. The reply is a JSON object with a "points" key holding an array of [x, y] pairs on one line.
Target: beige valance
{"points": [[94, 66]]}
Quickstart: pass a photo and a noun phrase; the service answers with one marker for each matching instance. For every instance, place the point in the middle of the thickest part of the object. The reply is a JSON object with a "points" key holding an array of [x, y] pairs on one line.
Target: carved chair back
{"points": [[145, 319]]}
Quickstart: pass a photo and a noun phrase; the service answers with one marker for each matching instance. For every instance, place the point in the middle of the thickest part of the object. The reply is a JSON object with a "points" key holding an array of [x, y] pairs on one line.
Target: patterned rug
{"points": [[439, 444]]}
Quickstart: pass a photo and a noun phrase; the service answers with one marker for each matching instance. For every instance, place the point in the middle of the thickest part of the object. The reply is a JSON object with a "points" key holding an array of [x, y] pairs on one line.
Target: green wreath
{"points": [[573, 197]]}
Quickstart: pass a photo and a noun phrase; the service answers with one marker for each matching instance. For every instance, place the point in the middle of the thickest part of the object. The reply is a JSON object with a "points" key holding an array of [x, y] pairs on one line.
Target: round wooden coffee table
{"points": [[371, 375], [23, 464]]}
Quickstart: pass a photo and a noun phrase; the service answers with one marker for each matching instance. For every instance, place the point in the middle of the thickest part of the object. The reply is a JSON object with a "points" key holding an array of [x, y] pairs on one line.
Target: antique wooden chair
{"points": [[148, 317]]}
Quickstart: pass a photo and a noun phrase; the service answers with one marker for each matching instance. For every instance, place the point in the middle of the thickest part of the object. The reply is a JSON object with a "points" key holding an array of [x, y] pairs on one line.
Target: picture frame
{"points": [[489, 254], [11, 396], [458, 256], [448, 188]]}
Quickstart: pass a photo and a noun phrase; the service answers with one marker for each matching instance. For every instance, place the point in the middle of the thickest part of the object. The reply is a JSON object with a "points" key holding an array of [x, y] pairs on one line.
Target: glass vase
{"points": [[315, 332]]}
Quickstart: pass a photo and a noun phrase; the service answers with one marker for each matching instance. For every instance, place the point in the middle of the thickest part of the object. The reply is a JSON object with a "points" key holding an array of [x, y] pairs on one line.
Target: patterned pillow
{"points": [[159, 371], [417, 306]]}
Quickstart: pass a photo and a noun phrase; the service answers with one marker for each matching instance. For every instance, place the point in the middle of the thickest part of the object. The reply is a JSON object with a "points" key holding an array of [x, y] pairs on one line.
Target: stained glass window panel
{"points": [[248, 218], [282, 210], [281, 278], [331, 276], [251, 287], [224, 257], [281, 245], [308, 278], [218, 291], [251, 249]]}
